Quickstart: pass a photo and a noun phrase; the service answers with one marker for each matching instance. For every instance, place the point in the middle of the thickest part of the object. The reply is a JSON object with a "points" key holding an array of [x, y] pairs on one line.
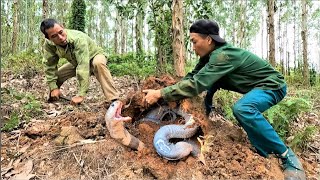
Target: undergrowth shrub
{"points": [[301, 138], [26, 63], [141, 65], [24, 106], [281, 115]]}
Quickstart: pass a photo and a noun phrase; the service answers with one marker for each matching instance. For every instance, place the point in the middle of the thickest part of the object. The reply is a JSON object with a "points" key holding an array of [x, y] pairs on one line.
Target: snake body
{"points": [[170, 150], [162, 137]]}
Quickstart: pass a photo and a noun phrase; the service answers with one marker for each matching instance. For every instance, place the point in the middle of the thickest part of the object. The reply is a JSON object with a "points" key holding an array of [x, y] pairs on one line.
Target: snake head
{"points": [[189, 122], [114, 112]]}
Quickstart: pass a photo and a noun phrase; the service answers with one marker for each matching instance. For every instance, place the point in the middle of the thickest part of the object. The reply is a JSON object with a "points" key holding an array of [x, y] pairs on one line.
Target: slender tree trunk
{"points": [[178, 38], [116, 31], [304, 32], [294, 36], [262, 33], [287, 50], [271, 12], [44, 16], [234, 20], [15, 31], [241, 28], [123, 35], [280, 39], [318, 45], [90, 19], [139, 29], [44, 9]]}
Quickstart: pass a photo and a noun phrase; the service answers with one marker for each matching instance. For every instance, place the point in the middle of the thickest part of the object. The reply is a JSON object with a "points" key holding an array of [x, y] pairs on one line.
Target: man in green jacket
{"points": [[223, 66], [84, 58]]}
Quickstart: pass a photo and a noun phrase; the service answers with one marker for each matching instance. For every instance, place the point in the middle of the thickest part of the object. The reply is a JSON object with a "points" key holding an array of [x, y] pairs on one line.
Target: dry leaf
{"points": [[24, 171]]}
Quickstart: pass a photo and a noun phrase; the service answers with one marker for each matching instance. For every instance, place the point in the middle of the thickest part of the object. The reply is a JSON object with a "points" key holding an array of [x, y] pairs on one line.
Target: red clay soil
{"points": [[53, 146]]}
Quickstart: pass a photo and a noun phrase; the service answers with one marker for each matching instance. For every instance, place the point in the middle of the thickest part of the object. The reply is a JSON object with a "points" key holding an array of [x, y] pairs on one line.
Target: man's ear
{"points": [[210, 40]]}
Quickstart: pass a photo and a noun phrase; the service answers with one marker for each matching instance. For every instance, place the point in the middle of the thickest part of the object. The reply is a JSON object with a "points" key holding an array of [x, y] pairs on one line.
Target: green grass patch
{"points": [[26, 107]]}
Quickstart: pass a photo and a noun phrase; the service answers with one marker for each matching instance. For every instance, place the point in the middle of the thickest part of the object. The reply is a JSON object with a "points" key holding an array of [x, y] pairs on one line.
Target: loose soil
{"points": [[72, 142]]}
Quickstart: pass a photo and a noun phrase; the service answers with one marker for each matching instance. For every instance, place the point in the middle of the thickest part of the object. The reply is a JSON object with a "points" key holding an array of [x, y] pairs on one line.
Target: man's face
{"points": [[201, 45], [57, 35]]}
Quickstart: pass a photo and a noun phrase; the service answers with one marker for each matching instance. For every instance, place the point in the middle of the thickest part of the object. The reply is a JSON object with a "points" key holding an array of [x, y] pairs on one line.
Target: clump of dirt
{"points": [[226, 149]]}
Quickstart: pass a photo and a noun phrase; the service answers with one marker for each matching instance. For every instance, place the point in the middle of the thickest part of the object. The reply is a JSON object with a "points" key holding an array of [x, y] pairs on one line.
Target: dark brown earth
{"points": [[69, 142]]}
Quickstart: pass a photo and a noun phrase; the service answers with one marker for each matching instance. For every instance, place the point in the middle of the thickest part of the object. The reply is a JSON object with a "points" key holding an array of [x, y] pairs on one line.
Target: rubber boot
{"points": [[292, 167]]}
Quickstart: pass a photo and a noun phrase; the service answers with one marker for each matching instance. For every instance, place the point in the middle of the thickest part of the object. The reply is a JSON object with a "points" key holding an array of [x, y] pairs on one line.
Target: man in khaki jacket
{"points": [[84, 58]]}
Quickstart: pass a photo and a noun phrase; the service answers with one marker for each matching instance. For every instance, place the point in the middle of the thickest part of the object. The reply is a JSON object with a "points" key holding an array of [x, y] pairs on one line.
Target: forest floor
{"points": [[72, 142]]}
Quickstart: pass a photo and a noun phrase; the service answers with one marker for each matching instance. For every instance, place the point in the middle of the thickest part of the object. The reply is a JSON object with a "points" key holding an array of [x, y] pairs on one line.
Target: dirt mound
{"points": [[77, 145]]}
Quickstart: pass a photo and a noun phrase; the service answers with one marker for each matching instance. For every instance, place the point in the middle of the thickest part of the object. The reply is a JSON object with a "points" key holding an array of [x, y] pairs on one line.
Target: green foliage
{"points": [[78, 13], [12, 123], [281, 115], [225, 101], [302, 138], [161, 22], [140, 65], [26, 107], [27, 63]]}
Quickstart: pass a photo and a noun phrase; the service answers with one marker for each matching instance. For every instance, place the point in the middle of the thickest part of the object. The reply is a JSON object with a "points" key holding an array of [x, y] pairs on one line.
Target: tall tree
{"points": [[304, 32], [161, 24], [178, 37], [15, 30], [116, 32], [271, 11], [45, 9], [139, 28], [78, 13]]}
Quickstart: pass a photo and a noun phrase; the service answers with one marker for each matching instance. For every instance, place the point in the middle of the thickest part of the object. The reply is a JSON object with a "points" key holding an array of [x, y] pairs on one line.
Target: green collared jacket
{"points": [[79, 51], [236, 69]]}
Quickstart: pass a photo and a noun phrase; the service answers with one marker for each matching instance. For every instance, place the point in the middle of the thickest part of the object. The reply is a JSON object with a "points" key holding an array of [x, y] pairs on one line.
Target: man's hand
{"points": [[55, 94], [152, 96], [77, 100]]}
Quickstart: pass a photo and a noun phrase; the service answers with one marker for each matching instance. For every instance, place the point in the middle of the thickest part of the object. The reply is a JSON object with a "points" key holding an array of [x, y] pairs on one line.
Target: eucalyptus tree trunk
{"points": [[280, 38], [294, 36], [161, 53], [139, 29], [262, 35], [5, 26], [271, 32], [234, 4], [304, 32], [123, 34], [45, 9], [243, 19], [116, 31], [90, 19], [15, 30], [318, 38], [44, 16], [178, 38], [287, 52]]}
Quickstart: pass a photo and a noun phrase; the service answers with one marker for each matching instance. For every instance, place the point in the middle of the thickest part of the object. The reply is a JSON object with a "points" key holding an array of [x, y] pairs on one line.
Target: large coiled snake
{"points": [[161, 140]]}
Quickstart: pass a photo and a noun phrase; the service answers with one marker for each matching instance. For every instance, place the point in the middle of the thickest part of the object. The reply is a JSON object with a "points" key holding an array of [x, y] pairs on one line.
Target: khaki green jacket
{"points": [[79, 52], [236, 69]]}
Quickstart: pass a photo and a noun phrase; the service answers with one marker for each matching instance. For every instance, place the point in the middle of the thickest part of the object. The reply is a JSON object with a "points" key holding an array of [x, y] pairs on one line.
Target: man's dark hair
{"points": [[47, 24]]}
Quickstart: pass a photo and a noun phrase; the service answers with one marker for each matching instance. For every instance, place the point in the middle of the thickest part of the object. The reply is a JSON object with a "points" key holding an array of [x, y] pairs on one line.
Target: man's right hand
{"points": [[55, 94]]}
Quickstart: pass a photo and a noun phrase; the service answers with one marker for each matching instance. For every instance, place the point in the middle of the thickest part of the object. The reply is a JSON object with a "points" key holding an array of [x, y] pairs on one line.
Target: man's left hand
{"points": [[77, 100]]}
